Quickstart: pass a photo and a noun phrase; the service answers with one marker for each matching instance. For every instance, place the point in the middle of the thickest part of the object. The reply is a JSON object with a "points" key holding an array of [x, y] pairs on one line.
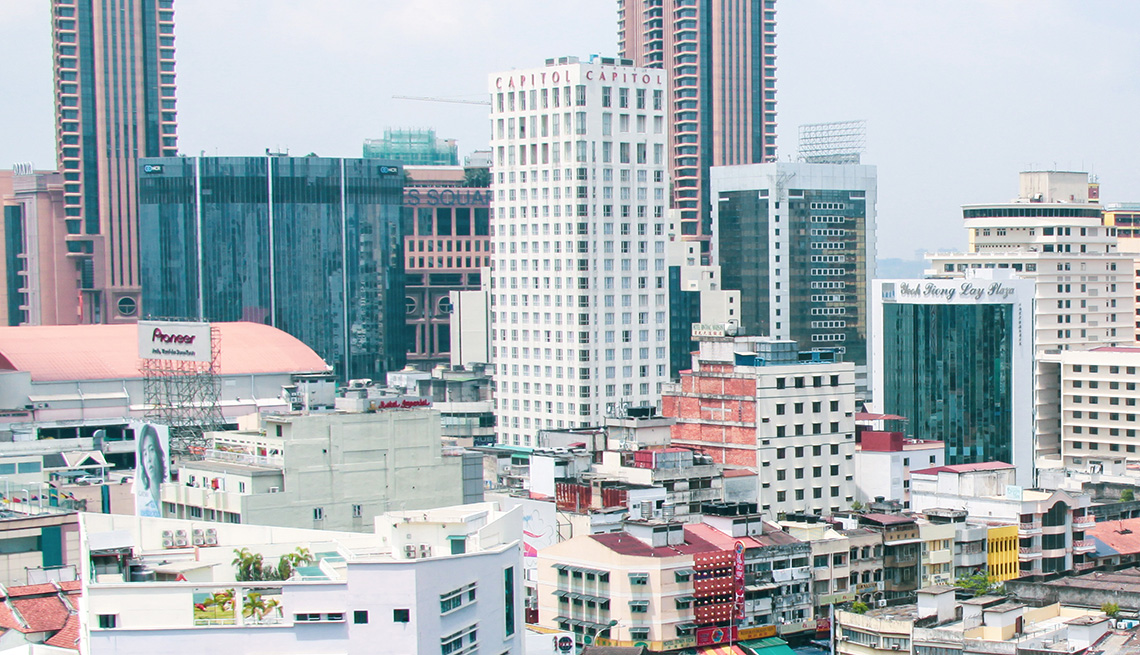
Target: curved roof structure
{"points": [[111, 352]]}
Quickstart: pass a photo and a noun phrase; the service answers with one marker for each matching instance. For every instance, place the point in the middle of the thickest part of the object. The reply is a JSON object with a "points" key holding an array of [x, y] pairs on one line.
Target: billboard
{"points": [[152, 467], [180, 341]]}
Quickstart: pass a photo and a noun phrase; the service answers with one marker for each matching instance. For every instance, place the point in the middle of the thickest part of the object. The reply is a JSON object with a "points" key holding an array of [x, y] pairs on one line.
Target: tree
{"points": [[477, 177], [980, 584], [859, 607], [1111, 609], [857, 506], [251, 566], [1127, 496]]}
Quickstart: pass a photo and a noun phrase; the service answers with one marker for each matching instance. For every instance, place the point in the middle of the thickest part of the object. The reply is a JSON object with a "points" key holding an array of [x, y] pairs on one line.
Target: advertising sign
{"points": [[152, 463], [738, 576], [708, 329], [180, 341], [715, 635]]}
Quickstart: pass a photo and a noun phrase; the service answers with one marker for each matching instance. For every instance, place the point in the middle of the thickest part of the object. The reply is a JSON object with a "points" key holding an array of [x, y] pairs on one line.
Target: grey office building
{"points": [[310, 245]]}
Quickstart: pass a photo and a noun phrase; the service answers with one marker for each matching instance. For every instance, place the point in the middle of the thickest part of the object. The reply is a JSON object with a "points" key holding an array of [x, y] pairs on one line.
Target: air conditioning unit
{"points": [[410, 551], [199, 537], [211, 537], [180, 539], [167, 542], [167, 534], [883, 602], [275, 490], [425, 550]]}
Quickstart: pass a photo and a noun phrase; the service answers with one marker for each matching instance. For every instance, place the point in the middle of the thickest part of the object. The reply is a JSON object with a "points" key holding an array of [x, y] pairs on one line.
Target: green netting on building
{"points": [[413, 148]]}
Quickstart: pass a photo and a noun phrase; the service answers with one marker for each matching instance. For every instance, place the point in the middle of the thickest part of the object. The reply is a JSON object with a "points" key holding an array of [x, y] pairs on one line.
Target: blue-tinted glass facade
{"points": [[948, 368], [310, 245], [745, 251]]}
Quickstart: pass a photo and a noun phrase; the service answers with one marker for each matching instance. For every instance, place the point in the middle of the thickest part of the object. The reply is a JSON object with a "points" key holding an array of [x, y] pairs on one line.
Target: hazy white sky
{"points": [[959, 96]]}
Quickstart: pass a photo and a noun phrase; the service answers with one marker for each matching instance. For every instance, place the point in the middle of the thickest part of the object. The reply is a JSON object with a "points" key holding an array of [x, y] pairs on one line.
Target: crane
{"points": [[431, 99]]}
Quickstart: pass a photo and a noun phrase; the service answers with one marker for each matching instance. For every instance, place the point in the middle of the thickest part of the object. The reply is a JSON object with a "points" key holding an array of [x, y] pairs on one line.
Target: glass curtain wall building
{"points": [[310, 245], [798, 242], [114, 93], [956, 358]]}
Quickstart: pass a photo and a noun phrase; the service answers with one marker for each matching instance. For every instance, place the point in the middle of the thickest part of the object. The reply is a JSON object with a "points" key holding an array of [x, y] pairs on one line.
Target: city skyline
{"points": [[914, 72]]}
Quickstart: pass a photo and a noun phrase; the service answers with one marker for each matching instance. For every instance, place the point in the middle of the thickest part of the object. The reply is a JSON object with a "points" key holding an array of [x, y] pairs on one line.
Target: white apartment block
{"points": [[445, 580], [1099, 407], [331, 471], [884, 460], [1053, 234], [579, 286]]}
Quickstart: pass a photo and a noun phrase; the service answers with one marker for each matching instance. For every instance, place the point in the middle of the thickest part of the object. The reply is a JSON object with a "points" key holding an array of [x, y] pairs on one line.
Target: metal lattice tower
{"points": [[833, 143], [184, 395]]}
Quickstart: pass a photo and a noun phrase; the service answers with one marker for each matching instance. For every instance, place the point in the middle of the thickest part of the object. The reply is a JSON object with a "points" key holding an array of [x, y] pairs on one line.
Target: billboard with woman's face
{"points": [[152, 448]]}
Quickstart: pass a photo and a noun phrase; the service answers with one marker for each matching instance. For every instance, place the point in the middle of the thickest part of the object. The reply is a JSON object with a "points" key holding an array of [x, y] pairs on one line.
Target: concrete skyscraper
{"points": [[114, 100], [721, 59], [579, 285]]}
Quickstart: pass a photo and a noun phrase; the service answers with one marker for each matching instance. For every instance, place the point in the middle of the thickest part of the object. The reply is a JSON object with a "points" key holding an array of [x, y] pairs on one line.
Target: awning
{"points": [[768, 646]]}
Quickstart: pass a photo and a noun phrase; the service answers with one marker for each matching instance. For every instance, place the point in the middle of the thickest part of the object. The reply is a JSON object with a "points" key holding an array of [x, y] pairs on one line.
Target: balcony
{"points": [[1081, 546], [1026, 554], [1084, 566], [1084, 522], [1027, 529]]}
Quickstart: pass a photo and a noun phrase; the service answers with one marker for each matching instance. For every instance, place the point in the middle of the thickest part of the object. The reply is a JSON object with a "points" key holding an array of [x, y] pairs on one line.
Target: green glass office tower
{"points": [[310, 245], [955, 357]]}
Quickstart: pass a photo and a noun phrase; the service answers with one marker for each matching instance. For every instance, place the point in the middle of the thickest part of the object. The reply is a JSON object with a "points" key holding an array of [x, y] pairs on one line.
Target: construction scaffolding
{"points": [[184, 396], [833, 143], [413, 147]]}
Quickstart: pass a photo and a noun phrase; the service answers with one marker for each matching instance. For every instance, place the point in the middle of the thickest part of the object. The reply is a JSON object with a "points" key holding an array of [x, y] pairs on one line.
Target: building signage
{"points": [[738, 576], [715, 635], [836, 599], [968, 290], [761, 632], [565, 644], [708, 329], [447, 197], [867, 586], [388, 170], [399, 403], [655, 646], [542, 78], [1013, 492], [179, 341], [151, 169]]}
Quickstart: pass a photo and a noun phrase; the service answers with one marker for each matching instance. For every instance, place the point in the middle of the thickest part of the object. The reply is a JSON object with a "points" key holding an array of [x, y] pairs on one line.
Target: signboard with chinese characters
{"points": [[708, 329]]}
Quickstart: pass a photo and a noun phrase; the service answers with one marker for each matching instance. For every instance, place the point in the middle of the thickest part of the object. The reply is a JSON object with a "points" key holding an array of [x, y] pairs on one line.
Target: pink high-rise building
{"points": [[721, 58], [114, 102]]}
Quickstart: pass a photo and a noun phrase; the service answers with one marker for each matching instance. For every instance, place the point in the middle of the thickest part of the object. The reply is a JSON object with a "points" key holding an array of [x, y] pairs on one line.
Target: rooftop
{"points": [[624, 543], [964, 468], [111, 352]]}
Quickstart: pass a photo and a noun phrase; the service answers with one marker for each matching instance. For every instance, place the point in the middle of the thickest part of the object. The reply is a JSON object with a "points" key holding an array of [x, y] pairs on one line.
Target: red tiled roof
{"points": [[626, 544], [43, 613], [68, 637], [31, 590], [867, 416], [964, 468], [110, 352], [42, 608], [1115, 349], [737, 473], [1108, 532]]}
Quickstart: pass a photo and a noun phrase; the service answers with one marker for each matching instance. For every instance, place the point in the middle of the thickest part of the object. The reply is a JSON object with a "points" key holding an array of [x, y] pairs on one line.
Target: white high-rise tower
{"points": [[579, 286]]}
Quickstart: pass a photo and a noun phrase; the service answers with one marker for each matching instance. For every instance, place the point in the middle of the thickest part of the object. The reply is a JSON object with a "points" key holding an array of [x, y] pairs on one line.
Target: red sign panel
{"points": [[709, 636], [738, 576]]}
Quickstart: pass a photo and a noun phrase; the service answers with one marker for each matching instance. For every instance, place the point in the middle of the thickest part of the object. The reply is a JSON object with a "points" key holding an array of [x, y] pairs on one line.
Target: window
{"points": [[464, 641], [318, 513], [457, 598], [357, 511], [108, 621], [509, 598], [398, 616], [361, 616]]}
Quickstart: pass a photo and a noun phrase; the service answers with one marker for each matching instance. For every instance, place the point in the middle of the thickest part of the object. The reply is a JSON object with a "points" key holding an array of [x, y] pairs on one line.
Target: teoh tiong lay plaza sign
{"points": [[180, 341]]}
